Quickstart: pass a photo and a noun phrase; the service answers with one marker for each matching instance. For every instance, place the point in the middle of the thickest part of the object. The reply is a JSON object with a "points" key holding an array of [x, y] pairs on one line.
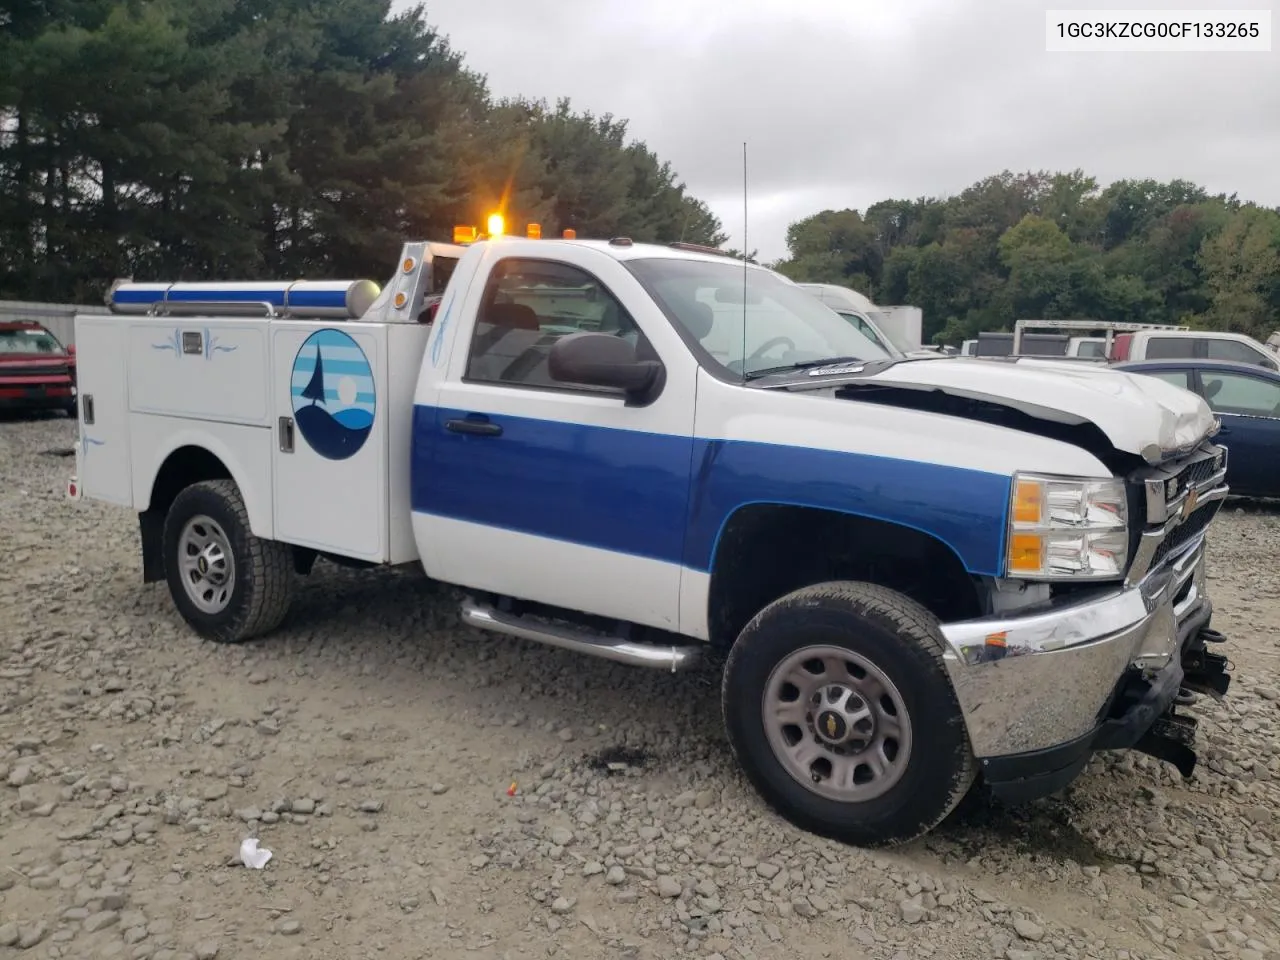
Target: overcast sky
{"points": [[846, 102]]}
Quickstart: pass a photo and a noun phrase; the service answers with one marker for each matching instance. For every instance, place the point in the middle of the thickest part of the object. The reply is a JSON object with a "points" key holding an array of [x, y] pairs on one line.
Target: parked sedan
{"points": [[36, 371], [1247, 400]]}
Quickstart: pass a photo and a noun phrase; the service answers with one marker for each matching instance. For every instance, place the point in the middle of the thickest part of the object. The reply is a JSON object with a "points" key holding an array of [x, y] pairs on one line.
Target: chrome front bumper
{"points": [[1041, 679]]}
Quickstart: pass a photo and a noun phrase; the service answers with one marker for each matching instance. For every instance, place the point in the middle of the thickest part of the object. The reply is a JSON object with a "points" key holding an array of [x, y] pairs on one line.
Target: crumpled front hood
{"points": [[1139, 414]]}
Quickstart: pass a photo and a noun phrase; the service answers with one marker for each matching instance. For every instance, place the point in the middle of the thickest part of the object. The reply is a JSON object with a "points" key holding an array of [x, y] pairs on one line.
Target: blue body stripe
{"points": [[668, 498], [965, 509]]}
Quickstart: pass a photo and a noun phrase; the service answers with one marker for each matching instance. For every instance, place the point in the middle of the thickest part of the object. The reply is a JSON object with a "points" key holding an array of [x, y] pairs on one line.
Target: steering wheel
{"points": [[770, 344]]}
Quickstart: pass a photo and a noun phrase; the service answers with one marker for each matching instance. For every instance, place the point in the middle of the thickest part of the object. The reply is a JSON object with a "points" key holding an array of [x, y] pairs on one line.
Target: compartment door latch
{"points": [[286, 434]]}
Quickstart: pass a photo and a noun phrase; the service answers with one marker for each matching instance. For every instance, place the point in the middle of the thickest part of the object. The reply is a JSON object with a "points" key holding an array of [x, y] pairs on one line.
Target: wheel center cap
{"points": [[832, 726], [202, 565]]}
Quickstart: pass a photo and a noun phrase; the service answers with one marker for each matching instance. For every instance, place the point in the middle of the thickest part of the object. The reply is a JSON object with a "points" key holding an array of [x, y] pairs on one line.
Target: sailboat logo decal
{"points": [[334, 395]]}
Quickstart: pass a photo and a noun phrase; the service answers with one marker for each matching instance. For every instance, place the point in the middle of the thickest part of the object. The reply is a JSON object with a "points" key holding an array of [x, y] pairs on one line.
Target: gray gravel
{"points": [[372, 743]]}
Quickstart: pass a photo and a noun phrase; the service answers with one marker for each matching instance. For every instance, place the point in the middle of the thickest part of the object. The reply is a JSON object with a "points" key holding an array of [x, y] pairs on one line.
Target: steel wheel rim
{"points": [[206, 564], [837, 724]]}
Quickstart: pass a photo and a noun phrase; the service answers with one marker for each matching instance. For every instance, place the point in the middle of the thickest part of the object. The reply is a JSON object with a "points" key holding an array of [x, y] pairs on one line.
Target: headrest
{"points": [[515, 315], [698, 319]]}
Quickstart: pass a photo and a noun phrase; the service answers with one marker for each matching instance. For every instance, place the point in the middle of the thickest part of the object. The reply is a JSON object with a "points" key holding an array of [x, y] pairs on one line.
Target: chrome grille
{"points": [[1195, 473], [1183, 533], [1182, 499], [1168, 486]]}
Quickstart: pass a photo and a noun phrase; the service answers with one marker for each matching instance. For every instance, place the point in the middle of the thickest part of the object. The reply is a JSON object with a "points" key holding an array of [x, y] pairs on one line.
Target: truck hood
{"points": [[1138, 414]]}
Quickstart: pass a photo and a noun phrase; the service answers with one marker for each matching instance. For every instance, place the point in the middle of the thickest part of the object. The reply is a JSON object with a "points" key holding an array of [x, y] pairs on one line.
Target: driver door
{"points": [[550, 491]]}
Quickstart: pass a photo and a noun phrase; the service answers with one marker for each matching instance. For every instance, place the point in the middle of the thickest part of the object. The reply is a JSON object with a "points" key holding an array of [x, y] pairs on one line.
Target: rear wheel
{"points": [[838, 707], [228, 584]]}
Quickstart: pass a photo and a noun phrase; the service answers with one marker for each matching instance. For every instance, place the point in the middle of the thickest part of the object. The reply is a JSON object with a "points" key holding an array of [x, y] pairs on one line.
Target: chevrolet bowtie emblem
{"points": [[1193, 496], [831, 725]]}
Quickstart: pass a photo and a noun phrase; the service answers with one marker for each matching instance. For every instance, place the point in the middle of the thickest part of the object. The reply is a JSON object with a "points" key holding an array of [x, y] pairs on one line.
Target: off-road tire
{"points": [[903, 640], [264, 580]]}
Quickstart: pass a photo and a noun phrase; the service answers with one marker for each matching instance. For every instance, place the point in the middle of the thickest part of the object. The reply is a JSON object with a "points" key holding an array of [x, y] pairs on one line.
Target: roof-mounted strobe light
{"points": [[465, 233], [570, 234], [533, 231], [339, 299], [497, 225]]}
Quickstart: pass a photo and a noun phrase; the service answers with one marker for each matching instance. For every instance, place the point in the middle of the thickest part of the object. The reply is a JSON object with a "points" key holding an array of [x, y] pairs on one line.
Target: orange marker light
{"points": [[533, 231], [570, 234], [464, 233], [1027, 501], [1026, 553], [408, 265], [401, 300]]}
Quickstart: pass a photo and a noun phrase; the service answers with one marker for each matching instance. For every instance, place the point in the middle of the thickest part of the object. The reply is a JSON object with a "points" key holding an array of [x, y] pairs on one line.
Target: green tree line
{"points": [[186, 139], [1054, 246]]}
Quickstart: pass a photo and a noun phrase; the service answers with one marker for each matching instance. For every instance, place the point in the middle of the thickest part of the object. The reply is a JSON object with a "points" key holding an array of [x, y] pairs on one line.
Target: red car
{"points": [[36, 371]]}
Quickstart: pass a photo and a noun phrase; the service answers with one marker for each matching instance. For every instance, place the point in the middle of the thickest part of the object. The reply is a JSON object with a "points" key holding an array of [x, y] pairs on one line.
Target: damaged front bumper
{"points": [[1041, 691]]}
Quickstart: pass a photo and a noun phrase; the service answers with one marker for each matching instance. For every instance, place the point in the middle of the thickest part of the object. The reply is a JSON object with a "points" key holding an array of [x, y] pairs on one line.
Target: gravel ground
{"points": [[371, 745]]}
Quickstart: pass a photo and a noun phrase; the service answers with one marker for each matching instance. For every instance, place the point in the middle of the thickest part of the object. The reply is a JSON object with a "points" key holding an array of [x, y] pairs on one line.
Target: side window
{"points": [[1092, 348], [864, 328], [1179, 378], [1238, 394], [1168, 348], [530, 304], [1234, 350]]}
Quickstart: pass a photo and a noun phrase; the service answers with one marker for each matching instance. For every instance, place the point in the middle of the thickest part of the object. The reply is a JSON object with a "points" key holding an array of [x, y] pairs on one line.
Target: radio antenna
{"points": [[745, 248]]}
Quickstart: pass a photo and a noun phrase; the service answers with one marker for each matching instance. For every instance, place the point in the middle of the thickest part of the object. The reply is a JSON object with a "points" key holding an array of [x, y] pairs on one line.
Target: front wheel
{"points": [[839, 709], [228, 584]]}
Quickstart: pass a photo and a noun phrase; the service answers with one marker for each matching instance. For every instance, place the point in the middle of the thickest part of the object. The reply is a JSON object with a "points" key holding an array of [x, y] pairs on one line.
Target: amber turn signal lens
{"points": [[1026, 553], [1027, 500]]}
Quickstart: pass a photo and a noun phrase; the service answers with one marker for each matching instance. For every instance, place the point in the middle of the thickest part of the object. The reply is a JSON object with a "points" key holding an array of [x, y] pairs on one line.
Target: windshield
{"points": [[784, 325], [35, 342]]}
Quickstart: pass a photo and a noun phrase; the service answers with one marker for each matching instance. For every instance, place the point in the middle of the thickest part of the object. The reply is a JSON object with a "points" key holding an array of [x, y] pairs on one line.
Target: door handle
{"points": [[286, 434], [479, 426]]}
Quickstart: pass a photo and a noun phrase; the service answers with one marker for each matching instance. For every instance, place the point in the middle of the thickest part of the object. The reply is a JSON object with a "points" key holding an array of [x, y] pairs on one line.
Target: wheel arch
{"points": [[765, 550], [189, 458]]}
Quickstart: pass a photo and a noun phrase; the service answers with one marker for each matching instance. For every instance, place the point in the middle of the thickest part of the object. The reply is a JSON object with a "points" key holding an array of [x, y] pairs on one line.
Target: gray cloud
{"points": [[847, 102]]}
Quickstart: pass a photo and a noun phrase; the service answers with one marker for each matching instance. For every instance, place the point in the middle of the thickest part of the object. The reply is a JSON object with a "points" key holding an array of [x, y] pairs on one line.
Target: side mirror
{"points": [[603, 360]]}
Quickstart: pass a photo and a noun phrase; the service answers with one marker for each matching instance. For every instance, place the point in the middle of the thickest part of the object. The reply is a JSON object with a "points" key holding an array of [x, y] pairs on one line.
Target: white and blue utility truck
{"points": [[924, 572]]}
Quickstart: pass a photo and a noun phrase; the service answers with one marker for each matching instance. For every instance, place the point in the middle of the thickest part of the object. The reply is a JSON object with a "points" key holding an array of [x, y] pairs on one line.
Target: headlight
{"points": [[1062, 528]]}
